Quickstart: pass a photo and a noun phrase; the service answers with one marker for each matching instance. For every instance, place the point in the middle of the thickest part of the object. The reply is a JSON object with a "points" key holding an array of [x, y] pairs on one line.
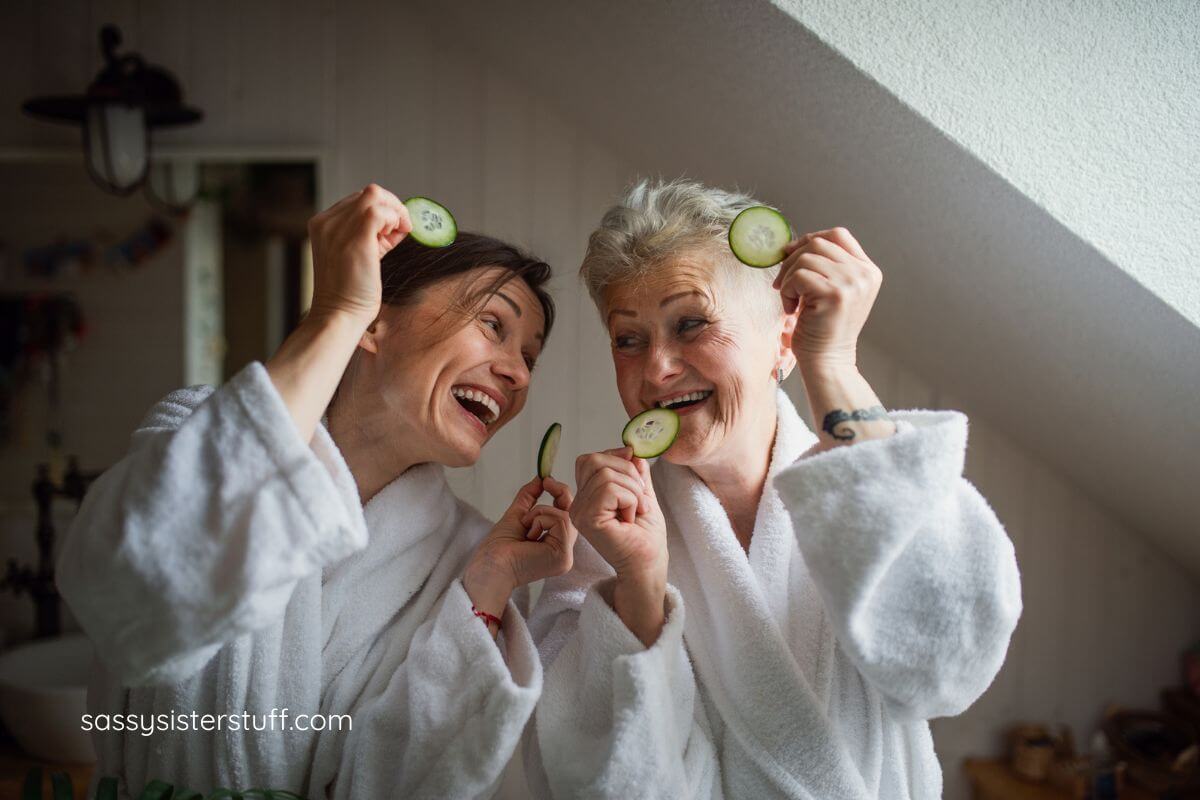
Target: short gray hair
{"points": [[656, 220]]}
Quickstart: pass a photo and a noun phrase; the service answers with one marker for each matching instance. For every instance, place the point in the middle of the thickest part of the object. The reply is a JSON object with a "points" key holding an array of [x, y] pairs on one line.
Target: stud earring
{"points": [[779, 376]]}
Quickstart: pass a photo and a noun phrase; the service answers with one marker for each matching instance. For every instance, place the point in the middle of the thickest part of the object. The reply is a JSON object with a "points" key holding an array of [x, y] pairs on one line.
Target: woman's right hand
{"points": [[348, 240], [617, 511]]}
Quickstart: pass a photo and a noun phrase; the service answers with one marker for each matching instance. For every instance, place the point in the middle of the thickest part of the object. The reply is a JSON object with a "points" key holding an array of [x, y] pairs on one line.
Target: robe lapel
{"points": [[742, 618]]}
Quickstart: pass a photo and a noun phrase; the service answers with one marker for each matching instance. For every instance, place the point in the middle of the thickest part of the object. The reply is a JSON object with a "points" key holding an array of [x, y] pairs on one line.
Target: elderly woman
{"points": [[282, 588], [769, 611]]}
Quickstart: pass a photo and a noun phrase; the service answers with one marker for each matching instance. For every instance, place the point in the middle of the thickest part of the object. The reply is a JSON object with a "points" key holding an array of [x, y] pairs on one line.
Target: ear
{"points": [[371, 337], [786, 357]]}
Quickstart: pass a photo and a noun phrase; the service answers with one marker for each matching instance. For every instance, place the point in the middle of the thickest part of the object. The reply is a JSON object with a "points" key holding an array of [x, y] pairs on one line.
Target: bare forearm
{"points": [[844, 406], [309, 365]]}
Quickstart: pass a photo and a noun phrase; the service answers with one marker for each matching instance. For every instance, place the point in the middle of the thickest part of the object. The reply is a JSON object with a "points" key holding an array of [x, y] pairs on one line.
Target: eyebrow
{"points": [[516, 309], [678, 295], [668, 299], [541, 337]]}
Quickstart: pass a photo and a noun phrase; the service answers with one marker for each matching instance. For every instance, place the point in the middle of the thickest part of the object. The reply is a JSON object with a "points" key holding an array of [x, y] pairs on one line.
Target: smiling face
{"points": [[439, 384], [686, 338]]}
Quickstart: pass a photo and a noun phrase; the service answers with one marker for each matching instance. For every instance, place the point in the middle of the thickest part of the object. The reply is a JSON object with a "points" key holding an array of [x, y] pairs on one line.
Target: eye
{"points": [[624, 342], [690, 324], [492, 322]]}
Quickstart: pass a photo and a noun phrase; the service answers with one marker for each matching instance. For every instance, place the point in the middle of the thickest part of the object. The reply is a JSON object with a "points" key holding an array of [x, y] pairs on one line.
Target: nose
{"points": [[510, 367], [662, 365]]}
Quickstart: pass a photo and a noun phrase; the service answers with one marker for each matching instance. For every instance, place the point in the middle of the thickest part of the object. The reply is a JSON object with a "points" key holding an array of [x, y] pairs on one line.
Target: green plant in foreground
{"points": [[61, 789]]}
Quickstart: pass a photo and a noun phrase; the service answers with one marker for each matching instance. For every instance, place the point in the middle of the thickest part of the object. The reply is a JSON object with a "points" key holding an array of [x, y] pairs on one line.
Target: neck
{"points": [[738, 476], [358, 437]]}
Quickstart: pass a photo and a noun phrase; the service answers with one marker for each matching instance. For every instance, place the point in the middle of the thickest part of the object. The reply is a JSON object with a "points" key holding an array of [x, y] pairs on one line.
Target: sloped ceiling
{"points": [[1091, 110], [985, 291]]}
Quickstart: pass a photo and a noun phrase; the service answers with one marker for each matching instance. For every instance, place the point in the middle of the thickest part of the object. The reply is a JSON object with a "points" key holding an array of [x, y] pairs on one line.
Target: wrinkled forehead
{"points": [[699, 273]]}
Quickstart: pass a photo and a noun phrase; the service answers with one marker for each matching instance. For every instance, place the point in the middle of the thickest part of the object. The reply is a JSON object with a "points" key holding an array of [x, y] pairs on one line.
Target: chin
{"points": [[459, 452], [685, 451], [692, 443], [458, 457]]}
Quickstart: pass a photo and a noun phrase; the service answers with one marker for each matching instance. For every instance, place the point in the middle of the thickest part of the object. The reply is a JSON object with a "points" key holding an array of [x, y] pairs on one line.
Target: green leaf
{"points": [[61, 783], [224, 794], [157, 790], [32, 788], [106, 789]]}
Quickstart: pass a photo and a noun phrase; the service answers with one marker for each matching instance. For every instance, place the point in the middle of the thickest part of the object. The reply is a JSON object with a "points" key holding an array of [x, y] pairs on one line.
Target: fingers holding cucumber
{"points": [[348, 239]]}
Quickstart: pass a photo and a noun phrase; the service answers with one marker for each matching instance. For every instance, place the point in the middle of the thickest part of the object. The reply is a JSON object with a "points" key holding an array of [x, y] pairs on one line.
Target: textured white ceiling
{"points": [[986, 292], [1092, 110]]}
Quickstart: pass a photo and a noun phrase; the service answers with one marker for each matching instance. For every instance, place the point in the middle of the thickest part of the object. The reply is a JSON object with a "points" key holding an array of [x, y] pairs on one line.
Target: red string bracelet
{"points": [[487, 618]]}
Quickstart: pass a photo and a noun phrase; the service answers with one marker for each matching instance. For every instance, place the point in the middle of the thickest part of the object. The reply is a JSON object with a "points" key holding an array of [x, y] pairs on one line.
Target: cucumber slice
{"points": [[433, 224], [651, 433], [757, 236], [548, 450]]}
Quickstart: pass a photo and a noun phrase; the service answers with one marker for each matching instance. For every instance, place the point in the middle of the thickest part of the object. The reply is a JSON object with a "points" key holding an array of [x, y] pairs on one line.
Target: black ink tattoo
{"points": [[837, 417]]}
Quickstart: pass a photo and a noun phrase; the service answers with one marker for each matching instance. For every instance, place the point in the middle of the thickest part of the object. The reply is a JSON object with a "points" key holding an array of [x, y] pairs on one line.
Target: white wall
{"points": [[398, 101]]}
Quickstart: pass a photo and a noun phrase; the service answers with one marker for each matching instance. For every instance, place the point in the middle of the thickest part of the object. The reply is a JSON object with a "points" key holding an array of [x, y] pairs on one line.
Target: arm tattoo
{"points": [[837, 417]]}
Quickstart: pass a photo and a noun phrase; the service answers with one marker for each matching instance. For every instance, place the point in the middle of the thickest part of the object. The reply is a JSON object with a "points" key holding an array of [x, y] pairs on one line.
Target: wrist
{"points": [[826, 369], [640, 602], [488, 592], [338, 320]]}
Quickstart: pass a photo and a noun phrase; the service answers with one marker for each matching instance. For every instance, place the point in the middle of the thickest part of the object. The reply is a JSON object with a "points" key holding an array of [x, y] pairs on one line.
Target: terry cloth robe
{"points": [[224, 566], [879, 591]]}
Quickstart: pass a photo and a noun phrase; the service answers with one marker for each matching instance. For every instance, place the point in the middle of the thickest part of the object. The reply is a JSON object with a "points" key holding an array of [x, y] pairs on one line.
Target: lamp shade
{"points": [[173, 183], [116, 144], [127, 98]]}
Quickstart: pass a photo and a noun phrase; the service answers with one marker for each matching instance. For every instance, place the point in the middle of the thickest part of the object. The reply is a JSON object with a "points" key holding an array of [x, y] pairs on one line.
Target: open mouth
{"points": [[479, 404], [685, 400]]}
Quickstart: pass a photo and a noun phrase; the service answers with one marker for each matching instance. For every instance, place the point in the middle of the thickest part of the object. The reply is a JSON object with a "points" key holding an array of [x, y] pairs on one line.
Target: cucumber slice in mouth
{"points": [[548, 450], [757, 236], [652, 432], [433, 224]]}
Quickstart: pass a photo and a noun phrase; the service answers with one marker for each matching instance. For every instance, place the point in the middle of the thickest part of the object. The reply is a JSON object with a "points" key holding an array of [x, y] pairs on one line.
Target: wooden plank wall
{"points": [[393, 98]]}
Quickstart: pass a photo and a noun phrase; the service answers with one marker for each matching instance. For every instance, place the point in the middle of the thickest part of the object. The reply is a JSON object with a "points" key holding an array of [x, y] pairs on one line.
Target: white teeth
{"points": [[479, 397], [684, 398]]}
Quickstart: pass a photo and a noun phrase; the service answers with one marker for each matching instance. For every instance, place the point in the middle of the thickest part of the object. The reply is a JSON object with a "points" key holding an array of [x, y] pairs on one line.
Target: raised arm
{"points": [[917, 575], [201, 532]]}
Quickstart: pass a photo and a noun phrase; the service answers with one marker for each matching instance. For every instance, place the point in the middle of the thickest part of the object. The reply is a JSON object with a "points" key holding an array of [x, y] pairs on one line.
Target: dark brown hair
{"points": [[410, 267]]}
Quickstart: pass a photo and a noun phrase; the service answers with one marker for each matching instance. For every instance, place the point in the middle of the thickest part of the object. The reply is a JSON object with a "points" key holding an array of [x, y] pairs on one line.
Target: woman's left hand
{"points": [[831, 282], [529, 542]]}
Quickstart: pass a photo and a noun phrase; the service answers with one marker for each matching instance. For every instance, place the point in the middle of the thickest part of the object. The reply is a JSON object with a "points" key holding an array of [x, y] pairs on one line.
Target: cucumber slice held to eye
{"points": [[757, 236], [652, 432], [548, 450], [432, 223]]}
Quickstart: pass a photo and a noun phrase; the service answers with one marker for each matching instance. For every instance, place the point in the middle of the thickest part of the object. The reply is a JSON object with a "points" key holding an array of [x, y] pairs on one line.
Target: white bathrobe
{"points": [[879, 591], [224, 566]]}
